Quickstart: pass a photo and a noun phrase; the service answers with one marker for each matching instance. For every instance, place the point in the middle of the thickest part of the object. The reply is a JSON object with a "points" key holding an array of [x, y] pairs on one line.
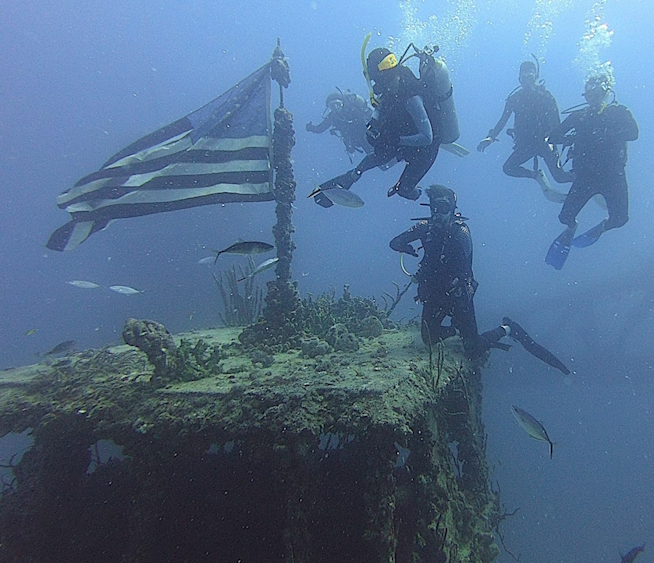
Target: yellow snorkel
{"points": [[373, 100]]}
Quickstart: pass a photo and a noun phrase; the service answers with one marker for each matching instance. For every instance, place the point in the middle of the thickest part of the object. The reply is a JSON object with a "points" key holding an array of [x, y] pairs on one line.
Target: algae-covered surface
{"points": [[363, 455], [382, 383]]}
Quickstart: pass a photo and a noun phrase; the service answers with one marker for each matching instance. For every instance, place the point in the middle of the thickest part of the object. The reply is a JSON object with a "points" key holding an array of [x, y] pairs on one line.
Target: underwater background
{"points": [[82, 79]]}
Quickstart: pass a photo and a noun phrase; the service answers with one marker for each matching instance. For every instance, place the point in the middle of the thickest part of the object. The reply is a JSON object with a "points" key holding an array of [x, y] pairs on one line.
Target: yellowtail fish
{"points": [[124, 289], [260, 268], [532, 427], [339, 196], [83, 284], [245, 248], [346, 198]]}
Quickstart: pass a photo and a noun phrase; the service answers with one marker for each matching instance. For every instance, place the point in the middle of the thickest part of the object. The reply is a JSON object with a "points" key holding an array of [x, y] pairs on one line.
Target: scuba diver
{"points": [[600, 131], [446, 283], [346, 116], [411, 118], [535, 115]]}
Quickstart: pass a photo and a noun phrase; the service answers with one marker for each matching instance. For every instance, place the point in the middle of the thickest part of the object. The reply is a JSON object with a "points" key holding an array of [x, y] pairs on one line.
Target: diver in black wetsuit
{"points": [[601, 131], [446, 283], [536, 114], [400, 129], [346, 116]]}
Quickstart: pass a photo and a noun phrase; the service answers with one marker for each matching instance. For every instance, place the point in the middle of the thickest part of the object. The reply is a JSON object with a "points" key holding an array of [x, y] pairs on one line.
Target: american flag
{"points": [[219, 153]]}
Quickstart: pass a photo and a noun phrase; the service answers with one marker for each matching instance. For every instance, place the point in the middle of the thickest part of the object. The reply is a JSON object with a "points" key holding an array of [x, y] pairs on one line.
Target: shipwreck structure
{"points": [[312, 455]]}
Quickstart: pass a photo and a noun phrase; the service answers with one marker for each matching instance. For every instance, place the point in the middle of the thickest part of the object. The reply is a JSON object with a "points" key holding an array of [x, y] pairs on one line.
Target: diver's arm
{"points": [[463, 283], [321, 127], [553, 112], [495, 131], [464, 241], [627, 126], [504, 119], [424, 136], [402, 242]]}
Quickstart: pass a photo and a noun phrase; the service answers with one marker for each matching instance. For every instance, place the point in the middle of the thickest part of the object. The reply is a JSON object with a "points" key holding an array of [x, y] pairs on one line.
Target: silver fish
{"points": [[207, 260], [532, 427], [83, 284], [245, 247], [261, 268], [346, 198], [124, 289]]}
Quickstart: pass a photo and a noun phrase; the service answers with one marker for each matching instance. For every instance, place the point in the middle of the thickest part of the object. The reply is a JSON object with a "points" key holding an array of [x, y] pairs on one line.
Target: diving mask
{"points": [[442, 212], [441, 207], [335, 105]]}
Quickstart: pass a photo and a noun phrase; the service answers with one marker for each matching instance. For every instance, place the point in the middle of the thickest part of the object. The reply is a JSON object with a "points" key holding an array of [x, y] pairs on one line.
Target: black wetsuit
{"points": [[392, 120], [446, 287], [446, 284], [535, 115], [599, 156]]}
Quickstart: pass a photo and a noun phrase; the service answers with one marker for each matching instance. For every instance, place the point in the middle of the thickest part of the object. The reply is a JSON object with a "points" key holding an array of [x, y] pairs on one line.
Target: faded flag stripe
{"points": [[220, 153]]}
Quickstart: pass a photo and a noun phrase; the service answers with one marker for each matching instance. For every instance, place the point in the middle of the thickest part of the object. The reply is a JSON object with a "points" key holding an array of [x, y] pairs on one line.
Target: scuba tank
{"points": [[436, 90], [437, 95]]}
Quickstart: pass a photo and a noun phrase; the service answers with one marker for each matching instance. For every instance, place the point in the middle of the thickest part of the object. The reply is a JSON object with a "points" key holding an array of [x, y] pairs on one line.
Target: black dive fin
{"points": [[559, 249], [519, 335], [591, 236]]}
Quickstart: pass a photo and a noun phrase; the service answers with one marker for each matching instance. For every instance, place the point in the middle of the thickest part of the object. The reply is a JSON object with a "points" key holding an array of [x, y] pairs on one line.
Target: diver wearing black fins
{"points": [[601, 131], [412, 117], [446, 283]]}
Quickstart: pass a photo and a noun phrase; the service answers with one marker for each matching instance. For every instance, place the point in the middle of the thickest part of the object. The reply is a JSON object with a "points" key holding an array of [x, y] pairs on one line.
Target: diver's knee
{"points": [[568, 220], [508, 169], [616, 222]]}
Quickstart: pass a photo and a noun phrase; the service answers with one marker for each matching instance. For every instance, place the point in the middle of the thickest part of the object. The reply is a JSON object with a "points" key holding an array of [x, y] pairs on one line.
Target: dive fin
{"points": [[319, 197], [456, 149], [519, 335], [560, 248], [343, 181], [591, 236], [549, 192], [322, 200]]}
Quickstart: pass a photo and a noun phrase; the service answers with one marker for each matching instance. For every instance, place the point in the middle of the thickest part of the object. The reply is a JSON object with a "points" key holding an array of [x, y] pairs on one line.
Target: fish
{"points": [[532, 427], [260, 268], [346, 198], [124, 289], [632, 554], [83, 284], [61, 348], [31, 331], [245, 248], [340, 196], [206, 260]]}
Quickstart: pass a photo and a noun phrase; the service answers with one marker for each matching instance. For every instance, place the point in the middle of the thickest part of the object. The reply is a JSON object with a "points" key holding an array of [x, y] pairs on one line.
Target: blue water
{"points": [[80, 80]]}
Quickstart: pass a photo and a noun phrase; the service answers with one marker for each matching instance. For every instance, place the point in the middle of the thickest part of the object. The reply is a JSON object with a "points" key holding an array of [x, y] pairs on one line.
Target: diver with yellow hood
{"points": [[412, 117]]}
